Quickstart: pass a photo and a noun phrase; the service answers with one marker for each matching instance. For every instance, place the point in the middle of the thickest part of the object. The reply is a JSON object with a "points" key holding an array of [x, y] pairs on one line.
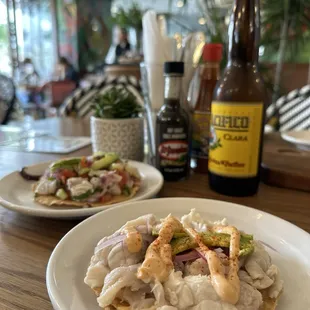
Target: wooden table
{"points": [[26, 243]]}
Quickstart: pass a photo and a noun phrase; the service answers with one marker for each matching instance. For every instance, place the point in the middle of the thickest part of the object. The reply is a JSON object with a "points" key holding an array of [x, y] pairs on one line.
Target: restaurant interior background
{"points": [[83, 32]]}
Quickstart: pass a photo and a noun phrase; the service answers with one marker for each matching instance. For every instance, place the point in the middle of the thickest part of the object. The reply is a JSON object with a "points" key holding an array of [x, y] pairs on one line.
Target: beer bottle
{"points": [[172, 127], [238, 109]]}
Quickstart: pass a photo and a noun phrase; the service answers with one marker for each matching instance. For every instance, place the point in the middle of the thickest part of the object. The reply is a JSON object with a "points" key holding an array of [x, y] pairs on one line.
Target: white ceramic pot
{"points": [[122, 136]]}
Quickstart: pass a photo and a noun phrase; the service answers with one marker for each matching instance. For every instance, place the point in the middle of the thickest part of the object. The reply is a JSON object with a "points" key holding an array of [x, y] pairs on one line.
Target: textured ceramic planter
{"points": [[122, 136]]}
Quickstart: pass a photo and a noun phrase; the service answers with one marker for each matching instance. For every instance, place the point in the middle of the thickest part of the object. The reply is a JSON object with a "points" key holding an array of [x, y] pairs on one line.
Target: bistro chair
{"points": [[79, 103], [7, 98], [292, 111]]}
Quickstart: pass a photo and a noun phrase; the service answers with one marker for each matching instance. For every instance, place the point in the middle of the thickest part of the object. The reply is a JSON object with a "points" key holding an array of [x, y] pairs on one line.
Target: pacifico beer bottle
{"points": [[238, 108], [172, 127]]}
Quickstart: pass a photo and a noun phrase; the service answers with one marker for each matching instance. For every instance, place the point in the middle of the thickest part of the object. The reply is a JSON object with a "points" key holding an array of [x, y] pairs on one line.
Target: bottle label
{"points": [[173, 149], [235, 135], [201, 130]]}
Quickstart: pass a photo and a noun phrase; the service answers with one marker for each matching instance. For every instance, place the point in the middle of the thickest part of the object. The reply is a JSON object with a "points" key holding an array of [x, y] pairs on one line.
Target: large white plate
{"points": [[69, 261], [16, 193], [300, 138]]}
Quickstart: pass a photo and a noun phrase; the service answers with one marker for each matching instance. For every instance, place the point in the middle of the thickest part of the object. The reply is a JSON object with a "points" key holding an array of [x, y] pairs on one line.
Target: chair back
{"points": [[7, 98], [80, 103], [292, 110]]}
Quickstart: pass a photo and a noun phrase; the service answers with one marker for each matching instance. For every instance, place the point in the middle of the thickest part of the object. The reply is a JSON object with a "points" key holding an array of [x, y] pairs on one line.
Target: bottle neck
{"points": [[244, 32], [173, 85]]}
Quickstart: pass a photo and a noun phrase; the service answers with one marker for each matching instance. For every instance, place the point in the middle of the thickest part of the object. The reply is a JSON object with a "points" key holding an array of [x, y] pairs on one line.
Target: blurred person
{"points": [[123, 45], [29, 82], [65, 71]]}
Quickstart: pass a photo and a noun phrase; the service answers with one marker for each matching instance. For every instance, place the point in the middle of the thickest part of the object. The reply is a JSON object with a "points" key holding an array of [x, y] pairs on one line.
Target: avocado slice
{"points": [[212, 239], [82, 171], [99, 154], [61, 194], [65, 163], [105, 162]]}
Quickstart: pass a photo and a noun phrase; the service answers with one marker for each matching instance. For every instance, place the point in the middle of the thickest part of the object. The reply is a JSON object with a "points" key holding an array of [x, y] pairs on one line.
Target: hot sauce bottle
{"points": [[209, 74], [172, 127]]}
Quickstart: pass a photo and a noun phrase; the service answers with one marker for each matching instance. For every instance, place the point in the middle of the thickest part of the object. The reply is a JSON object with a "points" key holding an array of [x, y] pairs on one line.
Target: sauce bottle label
{"points": [[235, 135], [201, 130], [173, 150]]}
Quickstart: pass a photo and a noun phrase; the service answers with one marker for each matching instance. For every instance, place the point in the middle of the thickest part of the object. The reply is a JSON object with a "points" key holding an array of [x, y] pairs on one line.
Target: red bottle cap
{"points": [[212, 52]]}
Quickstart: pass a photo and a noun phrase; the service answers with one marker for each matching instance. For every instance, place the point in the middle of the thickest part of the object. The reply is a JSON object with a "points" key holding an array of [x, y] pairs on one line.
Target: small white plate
{"points": [[69, 261], [16, 193], [300, 138]]}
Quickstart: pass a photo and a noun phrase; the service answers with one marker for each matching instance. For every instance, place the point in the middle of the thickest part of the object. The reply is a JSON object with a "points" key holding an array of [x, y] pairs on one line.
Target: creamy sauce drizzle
{"points": [[227, 288], [158, 258], [133, 239]]}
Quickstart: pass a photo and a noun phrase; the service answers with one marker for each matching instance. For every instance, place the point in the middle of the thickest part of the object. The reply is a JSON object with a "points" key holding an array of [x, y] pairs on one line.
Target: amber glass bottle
{"points": [[209, 74], [238, 109]]}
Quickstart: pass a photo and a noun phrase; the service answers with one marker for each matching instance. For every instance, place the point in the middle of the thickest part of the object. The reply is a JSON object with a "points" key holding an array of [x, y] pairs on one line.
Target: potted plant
{"points": [[117, 124], [132, 18]]}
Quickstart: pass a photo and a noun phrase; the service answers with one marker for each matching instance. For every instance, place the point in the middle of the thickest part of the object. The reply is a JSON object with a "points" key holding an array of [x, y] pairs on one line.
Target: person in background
{"points": [[123, 45], [65, 71], [28, 74], [28, 84]]}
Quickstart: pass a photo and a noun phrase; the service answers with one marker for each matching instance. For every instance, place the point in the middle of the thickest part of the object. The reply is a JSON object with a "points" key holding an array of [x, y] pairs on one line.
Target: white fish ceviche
{"points": [[188, 264]]}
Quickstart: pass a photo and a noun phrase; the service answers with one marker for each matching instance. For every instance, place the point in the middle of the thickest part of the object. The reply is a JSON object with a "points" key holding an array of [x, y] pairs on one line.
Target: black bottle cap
{"points": [[174, 67]]}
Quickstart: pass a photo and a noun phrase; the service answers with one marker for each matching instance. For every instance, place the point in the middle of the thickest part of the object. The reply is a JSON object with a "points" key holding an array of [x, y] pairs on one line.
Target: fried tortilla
{"points": [[53, 201], [268, 303]]}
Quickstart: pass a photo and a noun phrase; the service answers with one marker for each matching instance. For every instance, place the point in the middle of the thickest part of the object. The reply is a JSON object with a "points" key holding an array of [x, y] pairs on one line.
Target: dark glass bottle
{"points": [[172, 127], [238, 109]]}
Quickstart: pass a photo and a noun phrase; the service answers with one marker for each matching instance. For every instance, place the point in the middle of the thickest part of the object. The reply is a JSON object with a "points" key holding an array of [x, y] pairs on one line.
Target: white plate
{"points": [[69, 261], [16, 193], [300, 138]]}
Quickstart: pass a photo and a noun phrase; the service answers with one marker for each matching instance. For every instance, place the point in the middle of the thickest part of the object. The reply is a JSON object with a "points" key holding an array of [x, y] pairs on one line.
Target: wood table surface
{"points": [[27, 242]]}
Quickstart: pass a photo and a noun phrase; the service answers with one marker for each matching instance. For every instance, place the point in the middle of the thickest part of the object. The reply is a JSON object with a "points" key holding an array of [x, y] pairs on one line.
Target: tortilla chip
{"points": [[52, 201], [269, 303]]}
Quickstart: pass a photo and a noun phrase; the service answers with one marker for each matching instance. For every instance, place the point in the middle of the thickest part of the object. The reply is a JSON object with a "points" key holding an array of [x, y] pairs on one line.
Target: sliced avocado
{"points": [[212, 239], [82, 171], [61, 194], [99, 154], [117, 167], [105, 162], [65, 163]]}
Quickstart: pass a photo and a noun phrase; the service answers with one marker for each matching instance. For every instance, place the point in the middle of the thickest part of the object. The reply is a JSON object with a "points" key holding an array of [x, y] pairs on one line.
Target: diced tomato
{"points": [[84, 163], [124, 176], [106, 198], [67, 173]]}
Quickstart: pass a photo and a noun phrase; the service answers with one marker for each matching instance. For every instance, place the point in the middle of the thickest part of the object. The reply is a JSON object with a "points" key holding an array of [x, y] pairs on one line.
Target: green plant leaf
{"points": [[116, 103]]}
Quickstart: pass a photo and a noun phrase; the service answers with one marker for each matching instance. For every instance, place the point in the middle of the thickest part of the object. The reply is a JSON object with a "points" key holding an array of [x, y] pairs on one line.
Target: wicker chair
{"points": [[7, 98]]}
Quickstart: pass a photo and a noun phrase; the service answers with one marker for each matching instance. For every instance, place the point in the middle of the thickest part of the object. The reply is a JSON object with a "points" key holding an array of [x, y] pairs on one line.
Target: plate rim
{"points": [[75, 213], [289, 138], [50, 284]]}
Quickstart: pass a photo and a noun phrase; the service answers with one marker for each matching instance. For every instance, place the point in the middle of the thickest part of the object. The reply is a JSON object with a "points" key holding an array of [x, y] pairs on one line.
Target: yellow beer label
{"points": [[235, 134], [201, 130]]}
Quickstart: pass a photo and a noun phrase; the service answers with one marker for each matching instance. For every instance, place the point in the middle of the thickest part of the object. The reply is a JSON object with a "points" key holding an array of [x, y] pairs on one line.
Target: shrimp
{"points": [[227, 288]]}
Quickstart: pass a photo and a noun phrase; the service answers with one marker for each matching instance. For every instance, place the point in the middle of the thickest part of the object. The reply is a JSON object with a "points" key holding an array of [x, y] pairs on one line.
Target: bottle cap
{"points": [[176, 67], [212, 52]]}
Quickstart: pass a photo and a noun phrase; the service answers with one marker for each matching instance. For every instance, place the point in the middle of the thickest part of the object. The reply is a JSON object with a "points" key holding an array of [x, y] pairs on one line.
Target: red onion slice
{"points": [[114, 240], [108, 242], [187, 256]]}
